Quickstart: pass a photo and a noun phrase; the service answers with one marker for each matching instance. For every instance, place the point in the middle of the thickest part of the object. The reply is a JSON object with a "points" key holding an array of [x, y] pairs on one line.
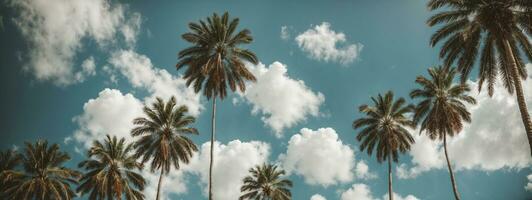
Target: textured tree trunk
{"points": [[390, 191], [212, 145], [519, 93], [159, 185], [453, 182]]}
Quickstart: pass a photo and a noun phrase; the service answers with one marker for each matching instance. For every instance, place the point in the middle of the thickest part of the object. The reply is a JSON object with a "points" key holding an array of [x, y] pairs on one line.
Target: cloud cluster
{"points": [[363, 192], [321, 43], [320, 157], [140, 72], [55, 29], [528, 186], [496, 123], [281, 100]]}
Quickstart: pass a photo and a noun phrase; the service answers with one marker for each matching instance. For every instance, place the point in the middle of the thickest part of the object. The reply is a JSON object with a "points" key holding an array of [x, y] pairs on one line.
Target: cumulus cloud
{"points": [[110, 113], [317, 197], [55, 30], [320, 157], [285, 34], [362, 171], [294, 101], [232, 162], [496, 123], [528, 186], [321, 43], [141, 73], [174, 183], [363, 192]]}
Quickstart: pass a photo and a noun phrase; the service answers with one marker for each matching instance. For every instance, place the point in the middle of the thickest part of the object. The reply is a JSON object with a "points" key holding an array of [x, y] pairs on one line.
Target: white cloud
{"points": [[528, 186], [320, 157], [110, 113], [141, 73], [173, 183], [285, 34], [321, 43], [494, 140], [363, 192], [317, 197], [231, 164], [294, 101], [362, 171], [55, 30]]}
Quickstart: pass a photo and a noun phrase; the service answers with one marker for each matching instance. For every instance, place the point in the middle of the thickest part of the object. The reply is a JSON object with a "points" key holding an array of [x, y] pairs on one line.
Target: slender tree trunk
{"points": [[453, 182], [159, 185], [212, 145], [519, 93], [390, 191]]}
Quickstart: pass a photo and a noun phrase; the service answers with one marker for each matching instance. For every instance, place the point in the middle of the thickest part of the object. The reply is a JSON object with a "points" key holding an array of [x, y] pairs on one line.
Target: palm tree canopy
{"points": [[112, 171], [467, 24], [8, 161], [384, 127], [215, 59], [44, 176], [441, 109], [163, 135], [265, 183]]}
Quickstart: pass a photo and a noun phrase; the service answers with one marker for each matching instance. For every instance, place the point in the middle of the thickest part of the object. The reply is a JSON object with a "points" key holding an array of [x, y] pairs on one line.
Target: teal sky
{"points": [[391, 48]]}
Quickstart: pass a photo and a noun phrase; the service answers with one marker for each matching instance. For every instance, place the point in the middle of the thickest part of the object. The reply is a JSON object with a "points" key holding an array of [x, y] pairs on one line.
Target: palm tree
{"points": [[215, 61], [265, 183], [111, 171], [442, 109], [495, 32], [163, 137], [384, 130], [44, 176], [8, 161]]}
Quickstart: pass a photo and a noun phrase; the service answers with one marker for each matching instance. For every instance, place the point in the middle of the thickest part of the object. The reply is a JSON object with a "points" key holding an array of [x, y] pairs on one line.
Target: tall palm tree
{"points": [[442, 108], [8, 161], [215, 61], [111, 171], [384, 130], [265, 183], [163, 137], [495, 32], [44, 176]]}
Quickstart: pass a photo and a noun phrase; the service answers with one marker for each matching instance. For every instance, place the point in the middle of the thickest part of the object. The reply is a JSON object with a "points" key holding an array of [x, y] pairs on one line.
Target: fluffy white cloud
{"points": [[317, 197], [363, 192], [320, 157], [528, 186], [294, 101], [141, 73], [173, 183], [285, 35], [232, 162], [110, 113], [55, 30], [496, 123], [362, 171], [321, 43]]}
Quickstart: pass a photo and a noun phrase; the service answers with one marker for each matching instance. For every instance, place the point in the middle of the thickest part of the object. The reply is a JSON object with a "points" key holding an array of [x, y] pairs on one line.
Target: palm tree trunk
{"points": [[453, 182], [212, 145], [519, 93], [390, 191], [159, 185]]}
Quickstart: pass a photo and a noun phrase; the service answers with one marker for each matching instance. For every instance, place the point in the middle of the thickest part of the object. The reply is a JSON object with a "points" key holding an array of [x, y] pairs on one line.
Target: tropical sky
{"points": [[73, 71]]}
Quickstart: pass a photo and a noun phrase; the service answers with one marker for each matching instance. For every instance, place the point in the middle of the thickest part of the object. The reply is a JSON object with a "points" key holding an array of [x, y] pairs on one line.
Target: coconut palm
{"points": [[496, 33], [163, 137], [8, 161], [44, 176], [442, 108], [215, 61], [384, 130], [266, 183], [111, 171]]}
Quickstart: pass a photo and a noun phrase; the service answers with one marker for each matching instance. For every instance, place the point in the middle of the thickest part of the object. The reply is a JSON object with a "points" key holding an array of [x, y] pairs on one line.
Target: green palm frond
{"points": [[265, 182]]}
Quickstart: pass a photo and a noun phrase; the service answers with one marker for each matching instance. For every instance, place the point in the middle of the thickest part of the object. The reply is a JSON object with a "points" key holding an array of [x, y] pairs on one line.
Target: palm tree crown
{"points": [[44, 176], [467, 24], [215, 59], [441, 109], [112, 171], [384, 127], [265, 183], [8, 161]]}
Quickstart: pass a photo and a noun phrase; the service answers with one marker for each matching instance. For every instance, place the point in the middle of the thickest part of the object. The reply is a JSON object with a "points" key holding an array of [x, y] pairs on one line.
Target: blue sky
{"points": [[73, 71]]}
